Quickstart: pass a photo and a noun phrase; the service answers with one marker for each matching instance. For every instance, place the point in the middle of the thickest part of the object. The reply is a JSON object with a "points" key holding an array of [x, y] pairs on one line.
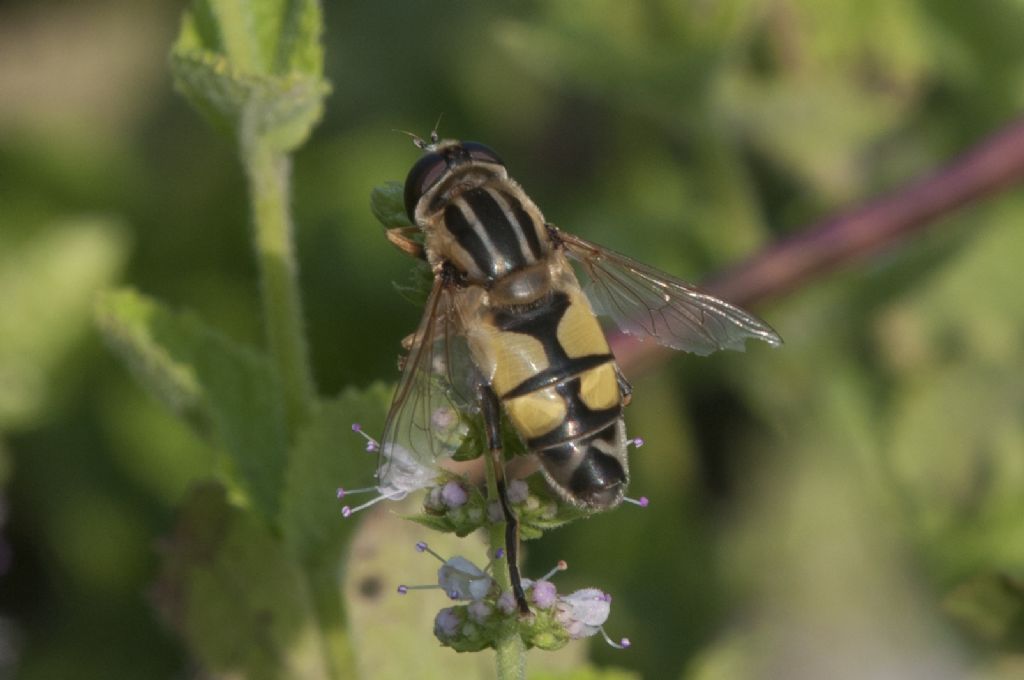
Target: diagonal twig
{"points": [[983, 170]]}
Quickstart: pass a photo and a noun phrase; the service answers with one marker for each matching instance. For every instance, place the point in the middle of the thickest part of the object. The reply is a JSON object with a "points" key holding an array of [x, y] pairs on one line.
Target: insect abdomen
{"points": [[591, 471], [552, 368]]}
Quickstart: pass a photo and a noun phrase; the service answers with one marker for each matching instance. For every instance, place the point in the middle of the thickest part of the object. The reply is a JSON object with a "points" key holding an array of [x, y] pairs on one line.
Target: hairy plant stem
{"points": [[509, 648], [268, 171], [269, 175]]}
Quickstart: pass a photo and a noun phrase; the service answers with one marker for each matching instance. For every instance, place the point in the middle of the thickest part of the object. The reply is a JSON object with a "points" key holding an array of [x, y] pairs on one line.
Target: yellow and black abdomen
{"points": [[551, 366]]}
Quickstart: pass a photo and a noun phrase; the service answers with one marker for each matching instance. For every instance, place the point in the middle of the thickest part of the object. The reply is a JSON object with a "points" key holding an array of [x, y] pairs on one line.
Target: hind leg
{"points": [[492, 423]]}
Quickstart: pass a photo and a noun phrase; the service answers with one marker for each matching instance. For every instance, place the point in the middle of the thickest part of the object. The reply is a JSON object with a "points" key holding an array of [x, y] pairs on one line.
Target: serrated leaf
{"points": [[260, 36], [387, 202], [235, 594], [229, 393], [130, 324], [474, 444], [254, 68], [439, 524], [328, 454], [421, 280]]}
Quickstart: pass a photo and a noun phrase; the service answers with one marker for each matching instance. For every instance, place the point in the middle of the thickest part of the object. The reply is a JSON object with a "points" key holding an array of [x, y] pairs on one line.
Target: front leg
{"points": [[492, 424], [625, 389], [401, 238]]}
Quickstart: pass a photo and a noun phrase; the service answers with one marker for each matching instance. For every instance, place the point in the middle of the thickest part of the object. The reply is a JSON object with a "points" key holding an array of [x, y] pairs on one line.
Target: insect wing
{"points": [[646, 302], [424, 421]]}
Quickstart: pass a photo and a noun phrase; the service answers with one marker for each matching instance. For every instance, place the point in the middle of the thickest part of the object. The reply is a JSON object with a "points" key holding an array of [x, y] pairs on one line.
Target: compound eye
{"points": [[424, 175], [481, 152]]}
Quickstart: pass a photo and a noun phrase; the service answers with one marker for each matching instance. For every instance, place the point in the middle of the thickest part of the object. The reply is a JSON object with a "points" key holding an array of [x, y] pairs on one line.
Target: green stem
{"points": [[269, 174], [509, 648]]}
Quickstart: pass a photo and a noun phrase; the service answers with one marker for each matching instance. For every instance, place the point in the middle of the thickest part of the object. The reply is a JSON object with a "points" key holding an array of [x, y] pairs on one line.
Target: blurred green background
{"points": [[851, 505]]}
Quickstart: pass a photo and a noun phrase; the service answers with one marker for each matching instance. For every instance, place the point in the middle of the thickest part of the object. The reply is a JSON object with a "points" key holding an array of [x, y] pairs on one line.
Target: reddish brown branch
{"points": [[983, 170]]}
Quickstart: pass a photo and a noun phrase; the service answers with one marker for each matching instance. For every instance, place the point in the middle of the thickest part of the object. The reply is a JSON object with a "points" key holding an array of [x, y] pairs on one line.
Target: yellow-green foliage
{"points": [[847, 506]]}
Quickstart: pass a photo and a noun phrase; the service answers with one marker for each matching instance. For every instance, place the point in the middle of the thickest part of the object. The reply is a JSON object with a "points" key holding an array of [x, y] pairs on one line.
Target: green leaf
{"points": [[955, 454], [956, 432], [254, 68], [420, 283], [236, 596], [814, 128], [431, 522], [326, 455], [227, 392], [551, 513], [48, 282], [991, 607], [387, 202], [475, 442]]}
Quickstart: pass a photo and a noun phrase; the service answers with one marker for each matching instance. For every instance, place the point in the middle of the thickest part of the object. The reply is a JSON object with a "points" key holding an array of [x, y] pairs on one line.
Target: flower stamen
{"points": [[347, 511], [423, 547], [458, 577], [624, 643], [561, 566], [372, 445], [406, 473]]}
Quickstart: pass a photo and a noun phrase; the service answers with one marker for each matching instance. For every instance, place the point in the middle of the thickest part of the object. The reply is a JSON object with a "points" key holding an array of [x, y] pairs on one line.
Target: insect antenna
{"points": [[419, 141], [434, 138]]}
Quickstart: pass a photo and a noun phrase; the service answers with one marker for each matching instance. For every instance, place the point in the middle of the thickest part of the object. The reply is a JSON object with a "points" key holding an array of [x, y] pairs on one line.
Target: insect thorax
{"points": [[484, 224]]}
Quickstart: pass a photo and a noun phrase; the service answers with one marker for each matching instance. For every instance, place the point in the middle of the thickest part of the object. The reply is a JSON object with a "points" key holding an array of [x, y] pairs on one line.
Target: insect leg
{"points": [[625, 388], [399, 237], [492, 424]]}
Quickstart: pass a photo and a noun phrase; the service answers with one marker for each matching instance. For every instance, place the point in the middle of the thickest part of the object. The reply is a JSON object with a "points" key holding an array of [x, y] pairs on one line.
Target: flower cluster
{"points": [[553, 620], [485, 614], [451, 503]]}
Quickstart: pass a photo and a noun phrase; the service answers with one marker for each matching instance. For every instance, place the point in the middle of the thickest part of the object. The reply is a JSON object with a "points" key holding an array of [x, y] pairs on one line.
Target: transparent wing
{"points": [[646, 302], [437, 384]]}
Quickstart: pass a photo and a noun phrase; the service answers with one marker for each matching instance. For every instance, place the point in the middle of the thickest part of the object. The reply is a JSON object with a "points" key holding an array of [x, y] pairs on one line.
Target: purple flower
{"points": [[507, 603], [454, 495], [544, 594], [463, 580], [447, 623], [480, 611], [583, 614], [517, 491]]}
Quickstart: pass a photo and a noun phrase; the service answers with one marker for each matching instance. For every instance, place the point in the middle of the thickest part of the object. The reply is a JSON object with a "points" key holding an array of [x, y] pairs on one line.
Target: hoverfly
{"points": [[507, 327]]}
